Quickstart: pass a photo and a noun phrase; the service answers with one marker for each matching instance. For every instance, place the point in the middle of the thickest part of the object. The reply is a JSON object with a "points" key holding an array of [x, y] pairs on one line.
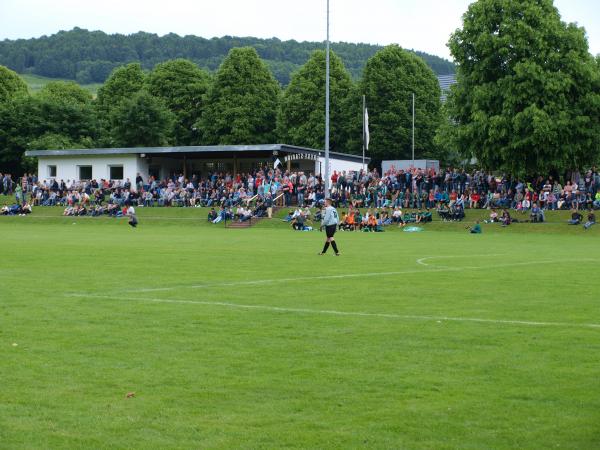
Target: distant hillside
{"points": [[35, 83], [90, 56]]}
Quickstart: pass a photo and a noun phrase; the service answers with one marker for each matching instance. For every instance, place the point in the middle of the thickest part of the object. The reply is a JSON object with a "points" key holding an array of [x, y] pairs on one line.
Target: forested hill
{"points": [[90, 56]]}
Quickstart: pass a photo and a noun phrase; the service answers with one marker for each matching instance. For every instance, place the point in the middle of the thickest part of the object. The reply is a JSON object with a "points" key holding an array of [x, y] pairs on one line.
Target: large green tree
{"points": [[66, 92], [60, 116], [181, 85], [141, 121], [301, 119], [123, 84], [66, 113], [242, 103], [528, 93], [11, 85], [390, 78]]}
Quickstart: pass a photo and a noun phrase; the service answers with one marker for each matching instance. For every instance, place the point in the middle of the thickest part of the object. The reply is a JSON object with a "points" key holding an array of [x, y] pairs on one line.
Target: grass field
{"points": [[36, 83], [248, 339]]}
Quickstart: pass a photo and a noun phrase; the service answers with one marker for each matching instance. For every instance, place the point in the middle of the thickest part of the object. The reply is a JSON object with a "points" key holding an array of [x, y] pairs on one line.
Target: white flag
{"points": [[276, 163], [367, 136]]}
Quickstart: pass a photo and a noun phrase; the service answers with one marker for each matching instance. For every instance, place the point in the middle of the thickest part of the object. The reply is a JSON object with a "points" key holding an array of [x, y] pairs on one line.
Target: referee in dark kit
{"points": [[330, 222]]}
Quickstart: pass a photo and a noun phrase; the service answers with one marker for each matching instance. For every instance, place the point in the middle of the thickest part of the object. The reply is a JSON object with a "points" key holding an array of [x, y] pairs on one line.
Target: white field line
{"points": [[349, 313], [289, 280], [355, 275], [422, 262]]}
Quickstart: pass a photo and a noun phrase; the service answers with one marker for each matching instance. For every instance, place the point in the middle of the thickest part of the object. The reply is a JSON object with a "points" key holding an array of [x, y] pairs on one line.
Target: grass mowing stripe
{"points": [[348, 313]]}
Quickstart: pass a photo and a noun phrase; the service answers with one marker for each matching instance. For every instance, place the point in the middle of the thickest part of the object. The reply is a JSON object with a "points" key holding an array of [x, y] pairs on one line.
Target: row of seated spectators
{"points": [[16, 210], [111, 210], [355, 220], [414, 189]]}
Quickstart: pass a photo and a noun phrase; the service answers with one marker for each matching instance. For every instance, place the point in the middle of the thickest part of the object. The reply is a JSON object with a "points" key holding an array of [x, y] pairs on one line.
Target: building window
{"points": [[116, 172], [85, 172], [52, 171]]}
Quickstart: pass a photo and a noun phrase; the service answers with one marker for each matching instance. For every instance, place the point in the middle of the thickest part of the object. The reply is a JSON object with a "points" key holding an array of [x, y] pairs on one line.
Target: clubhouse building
{"points": [[161, 162]]}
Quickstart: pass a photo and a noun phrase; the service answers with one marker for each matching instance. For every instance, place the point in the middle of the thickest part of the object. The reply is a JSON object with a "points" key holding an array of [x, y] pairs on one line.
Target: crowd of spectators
{"points": [[449, 192]]}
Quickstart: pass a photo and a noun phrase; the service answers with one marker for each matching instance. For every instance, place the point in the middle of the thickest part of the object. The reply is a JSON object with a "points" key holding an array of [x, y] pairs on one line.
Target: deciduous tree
{"points": [[301, 119], [389, 80], [528, 93], [181, 85], [242, 103], [11, 85], [141, 121]]}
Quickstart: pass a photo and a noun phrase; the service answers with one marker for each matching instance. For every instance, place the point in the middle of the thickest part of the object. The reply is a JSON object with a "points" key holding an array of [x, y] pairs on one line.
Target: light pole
{"points": [[413, 130], [327, 108]]}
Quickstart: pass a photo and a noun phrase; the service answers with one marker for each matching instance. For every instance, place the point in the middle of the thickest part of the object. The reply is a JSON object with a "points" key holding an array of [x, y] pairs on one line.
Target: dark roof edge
{"points": [[191, 149]]}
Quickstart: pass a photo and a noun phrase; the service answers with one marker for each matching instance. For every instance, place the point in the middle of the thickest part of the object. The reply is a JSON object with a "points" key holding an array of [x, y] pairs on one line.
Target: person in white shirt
{"points": [[330, 222], [132, 217]]}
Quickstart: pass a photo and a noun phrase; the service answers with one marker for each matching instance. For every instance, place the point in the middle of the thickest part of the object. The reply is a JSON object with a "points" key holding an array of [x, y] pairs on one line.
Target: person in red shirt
{"points": [[474, 202], [334, 177]]}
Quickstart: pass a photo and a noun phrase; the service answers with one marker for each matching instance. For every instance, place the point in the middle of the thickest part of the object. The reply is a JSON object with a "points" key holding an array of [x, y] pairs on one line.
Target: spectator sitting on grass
{"points": [[419, 216], [245, 215], [537, 213], [576, 217], [212, 214], [397, 217], [443, 211], [475, 229], [343, 221], [298, 222], [505, 219], [350, 222], [591, 220], [371, 224], [385, 219], [224, 214]]}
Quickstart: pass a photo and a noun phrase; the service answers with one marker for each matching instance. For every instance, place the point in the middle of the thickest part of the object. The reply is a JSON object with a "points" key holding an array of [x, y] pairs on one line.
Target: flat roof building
{"points": [[161, 162]]}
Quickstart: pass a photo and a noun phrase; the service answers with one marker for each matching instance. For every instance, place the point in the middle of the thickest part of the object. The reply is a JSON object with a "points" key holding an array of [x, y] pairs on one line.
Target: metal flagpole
{"points": [[327, 109], [363, 159], [413, 130]]}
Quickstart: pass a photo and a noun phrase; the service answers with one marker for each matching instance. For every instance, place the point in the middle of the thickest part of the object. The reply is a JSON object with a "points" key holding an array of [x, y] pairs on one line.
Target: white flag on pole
{"points": [[276, 163], [367, 136]]}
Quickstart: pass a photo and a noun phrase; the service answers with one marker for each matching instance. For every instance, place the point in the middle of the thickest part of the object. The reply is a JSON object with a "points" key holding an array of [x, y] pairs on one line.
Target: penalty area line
{"points": [[329, 312]]}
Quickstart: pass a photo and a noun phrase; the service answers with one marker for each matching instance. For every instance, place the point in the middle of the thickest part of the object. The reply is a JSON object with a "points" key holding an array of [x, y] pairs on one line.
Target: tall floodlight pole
{"points": [[364, 127], [413, 130], [327, 108]]}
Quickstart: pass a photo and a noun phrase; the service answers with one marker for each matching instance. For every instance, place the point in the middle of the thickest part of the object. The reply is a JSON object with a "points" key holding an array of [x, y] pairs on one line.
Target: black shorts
{"points": [[330, 230]]}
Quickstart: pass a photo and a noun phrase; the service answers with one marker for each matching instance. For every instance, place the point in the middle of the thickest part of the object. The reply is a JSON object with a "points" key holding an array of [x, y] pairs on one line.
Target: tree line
{"points": [[179, 103], [91, 56]]}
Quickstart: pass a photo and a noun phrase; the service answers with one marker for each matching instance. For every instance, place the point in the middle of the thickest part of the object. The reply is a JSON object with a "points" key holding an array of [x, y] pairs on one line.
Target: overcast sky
{"points": [[420, 24]]}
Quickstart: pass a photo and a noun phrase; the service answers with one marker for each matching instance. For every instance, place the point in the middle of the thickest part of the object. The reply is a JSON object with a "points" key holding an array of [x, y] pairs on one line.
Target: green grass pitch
{"points": [[248, 339]]}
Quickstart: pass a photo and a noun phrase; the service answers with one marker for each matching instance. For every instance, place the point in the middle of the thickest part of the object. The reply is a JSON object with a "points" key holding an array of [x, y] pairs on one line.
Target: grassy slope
{"points": [[208, 376], [36, 83]]}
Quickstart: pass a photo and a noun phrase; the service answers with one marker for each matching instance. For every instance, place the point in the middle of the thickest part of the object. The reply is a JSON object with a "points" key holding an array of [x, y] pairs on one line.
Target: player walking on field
{"points": [[132, 217], [330, 222]]}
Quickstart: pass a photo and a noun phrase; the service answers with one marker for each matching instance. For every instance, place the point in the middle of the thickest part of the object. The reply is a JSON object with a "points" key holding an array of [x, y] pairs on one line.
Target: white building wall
{"points": [[406, 164], [339, 165], [67, 167]]}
